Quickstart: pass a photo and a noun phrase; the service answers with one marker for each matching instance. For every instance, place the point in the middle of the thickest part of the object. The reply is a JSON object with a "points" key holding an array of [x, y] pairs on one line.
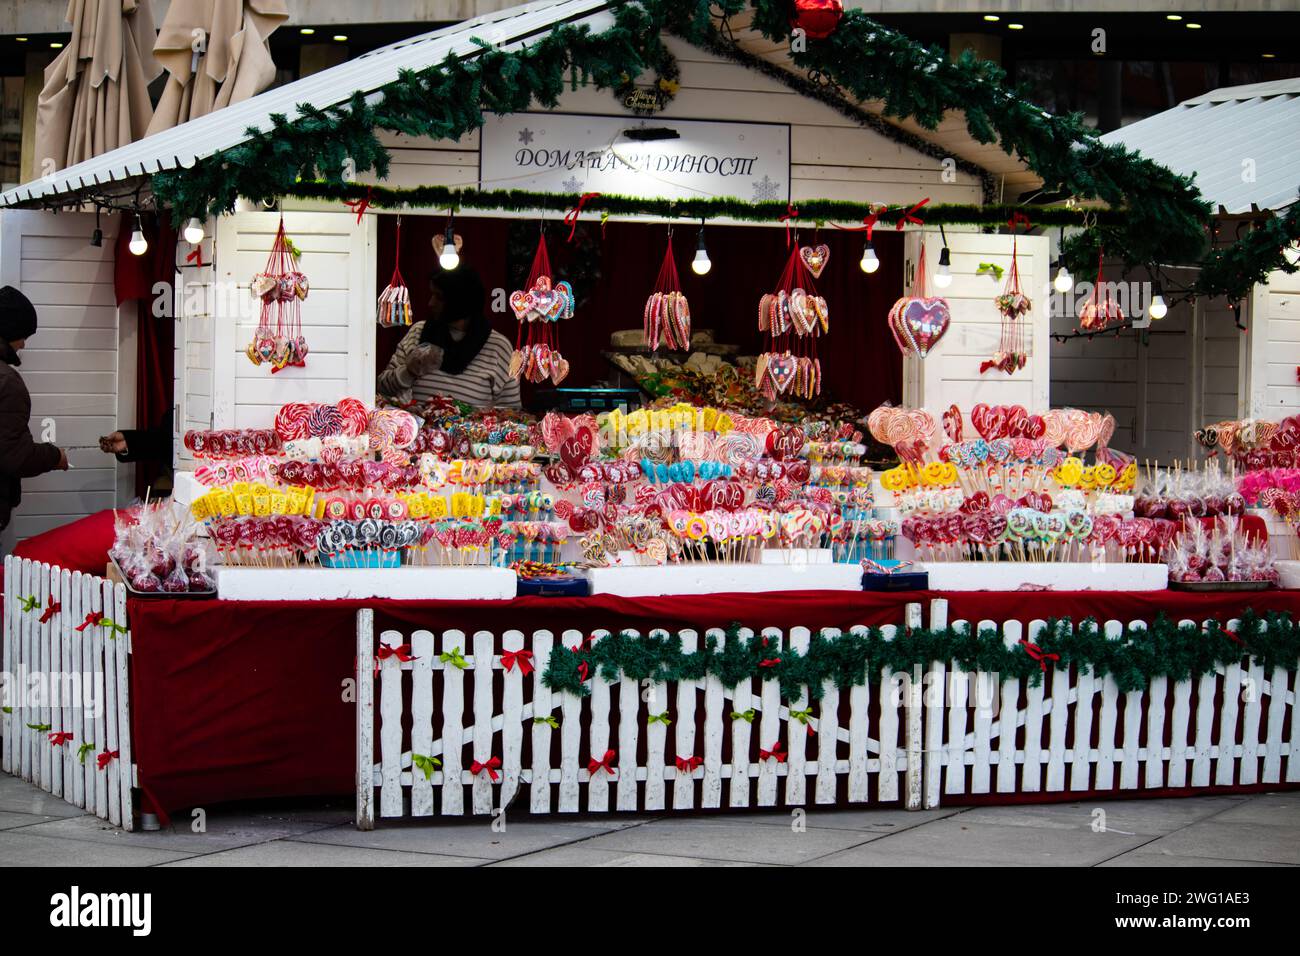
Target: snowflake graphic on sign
{"points": [[765, 190], [572, 185], [525, 136]]}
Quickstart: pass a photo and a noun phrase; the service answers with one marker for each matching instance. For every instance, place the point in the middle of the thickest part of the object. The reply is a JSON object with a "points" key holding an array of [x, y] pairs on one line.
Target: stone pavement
{"points": [[1259, 830]]}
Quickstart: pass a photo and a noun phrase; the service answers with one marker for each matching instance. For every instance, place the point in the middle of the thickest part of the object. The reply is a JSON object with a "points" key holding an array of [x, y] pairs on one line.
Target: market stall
{"points": [[406, 596]]}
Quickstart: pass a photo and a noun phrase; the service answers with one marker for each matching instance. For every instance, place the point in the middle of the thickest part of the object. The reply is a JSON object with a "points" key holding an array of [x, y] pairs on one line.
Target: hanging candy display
{"points": [[278, 339], [793, 316], [667, 314], [1100, 312], [539, 307], [1014, 306], [394, 306], [919, 321]]}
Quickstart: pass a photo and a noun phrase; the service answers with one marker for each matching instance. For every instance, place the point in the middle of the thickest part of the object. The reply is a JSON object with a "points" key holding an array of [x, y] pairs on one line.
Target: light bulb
{"points": [[139, 245], [943, 274], [194, 231], [450, 257], [1158, 309], [870, 261], [702, 263], [1063, 282]]}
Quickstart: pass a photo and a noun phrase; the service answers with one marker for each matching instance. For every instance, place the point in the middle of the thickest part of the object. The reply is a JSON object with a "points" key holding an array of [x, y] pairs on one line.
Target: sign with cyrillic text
{"points": [[564, 153]]}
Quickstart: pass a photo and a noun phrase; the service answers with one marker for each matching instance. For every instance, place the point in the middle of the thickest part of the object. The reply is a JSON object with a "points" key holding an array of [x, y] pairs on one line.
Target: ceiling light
{"points": [[1015, 26], [1268, 56], [21, 39], [992, 17], [307, 31], [56, 46], [1193, 26], [341, 37], [1173, 16]]}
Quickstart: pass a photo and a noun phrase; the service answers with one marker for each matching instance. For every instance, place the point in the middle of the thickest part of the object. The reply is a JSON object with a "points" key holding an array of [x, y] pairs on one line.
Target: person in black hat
{"points": [[20, 456], [455, 352]]}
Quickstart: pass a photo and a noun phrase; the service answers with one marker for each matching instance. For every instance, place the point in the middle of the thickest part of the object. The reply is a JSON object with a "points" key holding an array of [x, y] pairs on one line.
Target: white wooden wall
{"points": [[951, 372], [1161, 386], [71, 365], [193, 339], [1275, 347], [338, 256], [832, 156]]}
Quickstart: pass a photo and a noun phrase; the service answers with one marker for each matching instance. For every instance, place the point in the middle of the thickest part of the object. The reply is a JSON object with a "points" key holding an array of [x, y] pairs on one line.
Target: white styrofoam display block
{"points": [[1056, 575], [704, 578], [186, 488], [789, 556], [325, 584]]}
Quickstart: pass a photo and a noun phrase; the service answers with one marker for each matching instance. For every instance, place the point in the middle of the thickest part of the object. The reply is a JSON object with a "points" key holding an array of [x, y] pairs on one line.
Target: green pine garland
{"points": [[1165, 649], [811, 211], [1157, 216]]}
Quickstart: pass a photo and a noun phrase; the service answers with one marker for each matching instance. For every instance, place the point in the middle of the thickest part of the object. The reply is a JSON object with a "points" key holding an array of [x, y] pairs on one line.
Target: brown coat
{"points": [[20, 455]]}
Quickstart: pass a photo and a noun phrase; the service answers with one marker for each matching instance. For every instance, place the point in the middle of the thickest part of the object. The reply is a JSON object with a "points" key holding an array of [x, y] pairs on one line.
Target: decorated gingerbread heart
{"points": [[815, 258], [919, 323]]}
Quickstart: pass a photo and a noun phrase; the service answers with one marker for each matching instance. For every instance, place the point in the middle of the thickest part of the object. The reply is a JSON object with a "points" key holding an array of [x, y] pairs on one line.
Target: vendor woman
{"points": [[455, 352]]}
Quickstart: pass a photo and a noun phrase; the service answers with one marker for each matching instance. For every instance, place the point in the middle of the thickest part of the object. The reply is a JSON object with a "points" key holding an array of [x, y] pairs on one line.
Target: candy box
{"points": [[566, 585], [896, 581], [361, 558]]}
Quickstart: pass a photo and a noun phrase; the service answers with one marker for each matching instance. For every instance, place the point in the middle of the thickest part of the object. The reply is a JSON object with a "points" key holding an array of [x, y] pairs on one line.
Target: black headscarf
{"points": [[463, 298]]}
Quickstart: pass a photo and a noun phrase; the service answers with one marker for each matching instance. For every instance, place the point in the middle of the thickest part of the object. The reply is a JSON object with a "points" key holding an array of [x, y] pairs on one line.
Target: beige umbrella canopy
{"points": [[215, 53], [96, 94]]}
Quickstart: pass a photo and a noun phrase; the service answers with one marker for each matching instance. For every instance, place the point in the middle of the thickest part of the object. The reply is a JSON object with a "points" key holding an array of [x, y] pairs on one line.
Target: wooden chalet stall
{"points": [[464, 705]]}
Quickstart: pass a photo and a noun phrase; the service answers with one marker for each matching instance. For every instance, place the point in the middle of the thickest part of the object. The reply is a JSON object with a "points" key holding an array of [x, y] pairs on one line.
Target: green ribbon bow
{"points": [[6, 710], [32, 603], [745, 715], [659, 718], [549, 720], [425, 763], [454, 657], [83, 750], [113, 628], [990, 268], [803, 716], [40, 728]]}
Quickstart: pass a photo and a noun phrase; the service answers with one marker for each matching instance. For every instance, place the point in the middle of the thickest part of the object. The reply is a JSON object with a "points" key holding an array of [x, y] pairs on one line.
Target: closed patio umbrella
{"points": [[215, 53], [96, 95]]}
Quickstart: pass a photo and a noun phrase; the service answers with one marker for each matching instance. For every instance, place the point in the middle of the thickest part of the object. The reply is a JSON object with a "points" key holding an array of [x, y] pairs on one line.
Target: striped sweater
{"points": [[485, 383]]}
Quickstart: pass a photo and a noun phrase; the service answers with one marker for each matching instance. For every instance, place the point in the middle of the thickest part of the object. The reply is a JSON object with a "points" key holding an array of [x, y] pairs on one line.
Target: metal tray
{"points": [[1220, 585], [150, 595]]}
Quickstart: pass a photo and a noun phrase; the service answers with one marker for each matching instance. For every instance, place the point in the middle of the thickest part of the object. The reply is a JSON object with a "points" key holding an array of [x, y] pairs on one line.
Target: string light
{"points": [[1158, 308], [702, 263], [870, 261], [194, 231], [139, 245], [450, 257]]}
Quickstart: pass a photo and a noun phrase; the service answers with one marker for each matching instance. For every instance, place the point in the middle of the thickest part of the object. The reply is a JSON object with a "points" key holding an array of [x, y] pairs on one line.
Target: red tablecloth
{"points": [[238, 700]]}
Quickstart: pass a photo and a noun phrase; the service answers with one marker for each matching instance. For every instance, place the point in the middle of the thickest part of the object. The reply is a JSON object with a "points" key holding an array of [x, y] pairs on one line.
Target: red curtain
{"points": [[860, 362], [136, 277]]}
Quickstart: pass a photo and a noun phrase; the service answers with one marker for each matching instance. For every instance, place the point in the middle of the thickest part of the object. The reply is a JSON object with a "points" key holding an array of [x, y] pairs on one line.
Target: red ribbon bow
{"points": [[492, 766], [196, 255], [1232, 635], [1019, 219], [107, 757], [790, 213], [52, 607], [60, 737], [359, 206], [402, 652], [910, 215], [1036, 652], [524, 657], [769, 662], [93, 619], [582, 670], [776, 753], [604, 763], [571, 217], [688, 764]]}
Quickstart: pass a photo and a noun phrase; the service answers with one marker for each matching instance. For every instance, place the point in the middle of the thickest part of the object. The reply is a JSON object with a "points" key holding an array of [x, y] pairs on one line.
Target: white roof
{"points": [[1242, 142], [182, 146]]}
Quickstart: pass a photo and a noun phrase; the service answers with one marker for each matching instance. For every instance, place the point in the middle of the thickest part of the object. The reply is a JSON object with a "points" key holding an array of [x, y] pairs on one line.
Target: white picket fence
{"points": [[61, 681], [727, 750], [909, 738], [1079, 732]]}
